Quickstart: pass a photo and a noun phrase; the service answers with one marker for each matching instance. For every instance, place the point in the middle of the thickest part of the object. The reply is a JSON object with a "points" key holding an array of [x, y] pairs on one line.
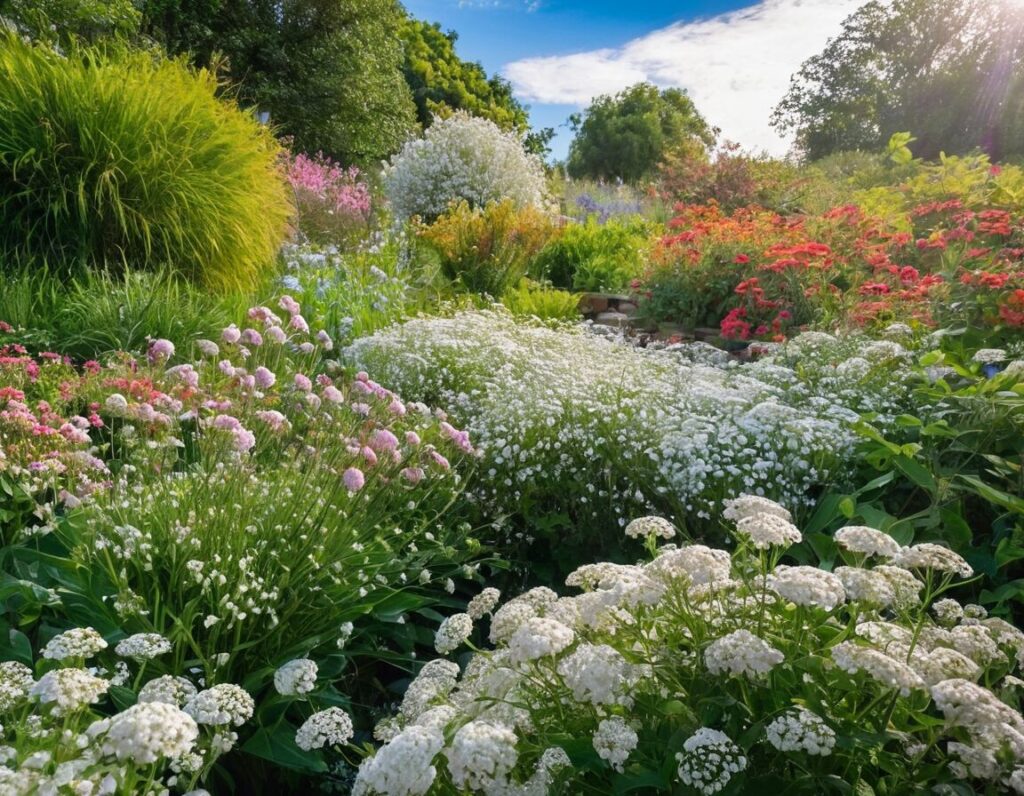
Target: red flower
{"points": [[742, 259]]}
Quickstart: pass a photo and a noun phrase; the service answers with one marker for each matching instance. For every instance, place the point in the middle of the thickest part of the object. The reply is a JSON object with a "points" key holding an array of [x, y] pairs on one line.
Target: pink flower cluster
{"points": [[328, 197]]}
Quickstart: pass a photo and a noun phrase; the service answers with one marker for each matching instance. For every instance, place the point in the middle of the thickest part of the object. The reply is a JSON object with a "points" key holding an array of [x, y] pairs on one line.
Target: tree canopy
{"points": [[58, 21], [952, 71], [627, 135]]}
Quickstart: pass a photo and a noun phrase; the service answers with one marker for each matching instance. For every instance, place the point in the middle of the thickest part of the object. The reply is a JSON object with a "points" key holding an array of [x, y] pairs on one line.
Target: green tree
{"points": [[59, 21], [950, 70], [626, 136], [441, 83], [329, 72]]}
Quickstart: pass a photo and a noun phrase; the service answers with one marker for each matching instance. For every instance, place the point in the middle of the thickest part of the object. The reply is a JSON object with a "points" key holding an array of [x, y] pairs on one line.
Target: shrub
{"points": [[533, 300], [595, 257], [579, 433], [704, 671], [128, 160], [332, 204], [462, 158], [486, 250]]}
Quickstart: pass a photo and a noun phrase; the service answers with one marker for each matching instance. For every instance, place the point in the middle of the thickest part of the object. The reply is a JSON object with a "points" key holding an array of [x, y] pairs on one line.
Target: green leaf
{"points": [[280, 748], [916, 472], [993, 495]]}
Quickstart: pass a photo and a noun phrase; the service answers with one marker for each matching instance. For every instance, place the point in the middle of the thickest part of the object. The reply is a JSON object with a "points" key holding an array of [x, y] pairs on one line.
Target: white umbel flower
{"points": [[403, 766], [143, 646], [709, 760], [740, 508], [481, 755], [867, 541], [150, 731], [808, 586], [296, 677], [68, 689], [741, 654], [989, 356], [613, 741], [222, 704], [643, 527], [539, 638], [769, 530], [15, 682], [79, 642], [800, 730], [867, 586], [331, 727], [452, 633], [890, 672], [936, 557], [597, 674], [168, 688], [483, 603]]}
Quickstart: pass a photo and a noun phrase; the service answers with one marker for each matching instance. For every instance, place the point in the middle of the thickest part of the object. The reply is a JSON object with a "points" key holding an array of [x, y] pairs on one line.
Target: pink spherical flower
{"points": [[412, 438], [265, 378], [231, 335], [303, 383], [383, 440], [353, 479], [159, 351], [369, 455], [277, 334], [333, 394], [325, 340], [413, 474], [299, 324], [307, 348], [252, 337], [289, 305]]}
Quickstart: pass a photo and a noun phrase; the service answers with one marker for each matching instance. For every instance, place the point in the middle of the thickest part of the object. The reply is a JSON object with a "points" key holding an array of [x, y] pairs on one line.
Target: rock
{"points": [[594, 304], [618, 320], [628, 307]]}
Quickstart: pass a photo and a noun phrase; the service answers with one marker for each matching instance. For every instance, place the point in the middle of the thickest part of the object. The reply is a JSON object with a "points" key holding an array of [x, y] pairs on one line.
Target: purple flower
{"points": [[353, 479], [265, 378], [159, 351], [231, 335], [413, 474], [383, 440], [303, 383]]}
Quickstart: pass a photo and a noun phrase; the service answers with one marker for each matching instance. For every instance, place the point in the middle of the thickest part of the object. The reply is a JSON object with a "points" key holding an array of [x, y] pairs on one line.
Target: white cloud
{"points": [[735, 66]]}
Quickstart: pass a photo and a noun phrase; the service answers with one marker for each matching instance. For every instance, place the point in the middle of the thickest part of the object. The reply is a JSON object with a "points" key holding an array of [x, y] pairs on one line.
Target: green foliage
{"points": [[627, 135], [487, 250], [532, 300], [130, 161], [595, 257], [328, 72], [61, 21], [920, 65]]}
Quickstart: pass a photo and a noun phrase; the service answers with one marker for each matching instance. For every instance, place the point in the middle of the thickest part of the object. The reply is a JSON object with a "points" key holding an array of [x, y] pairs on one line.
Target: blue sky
{"points": [[733, 56]]}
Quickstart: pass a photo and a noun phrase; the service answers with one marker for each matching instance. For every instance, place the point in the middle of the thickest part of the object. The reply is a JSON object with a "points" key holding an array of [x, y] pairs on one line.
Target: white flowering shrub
{"points": [[702, 671], [68, 729], [462, 157], [575, 425]]}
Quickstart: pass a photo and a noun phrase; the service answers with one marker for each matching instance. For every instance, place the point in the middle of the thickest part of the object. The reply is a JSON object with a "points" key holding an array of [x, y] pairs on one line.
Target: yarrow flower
{"points": [[331, 727], [483, 603], [989, 356], [740, 508], [150, 731], [143, 646], [890, 672], [768, 530], [539, 638], [644, 527], [79, 642], [597, 674], [933, 556], [868, 541], [613, 741], [741, 653], [709, 760], [296, 677], [800, 730], [403, 766], [808, 586], [222, 704], [168, 688], [15, 682], [452, 633], [68, 689], [481, 755]]}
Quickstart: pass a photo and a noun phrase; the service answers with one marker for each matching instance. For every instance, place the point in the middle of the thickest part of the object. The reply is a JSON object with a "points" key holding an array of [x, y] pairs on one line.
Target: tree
{"points": [[328, 71], [442, 83], [626, 136], [60, 21], [952, 71]]}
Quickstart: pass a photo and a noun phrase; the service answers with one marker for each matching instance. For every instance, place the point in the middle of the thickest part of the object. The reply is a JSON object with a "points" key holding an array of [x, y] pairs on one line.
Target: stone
{"points": [[628, 307], [617, 319], [593, 303]]}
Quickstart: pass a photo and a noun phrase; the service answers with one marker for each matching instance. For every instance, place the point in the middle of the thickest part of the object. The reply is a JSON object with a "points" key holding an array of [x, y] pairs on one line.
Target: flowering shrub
{"points": [[486, 249], [703, 671], [580, 433], [77, 727], [462, 158], [594, 257], [332, 204]]}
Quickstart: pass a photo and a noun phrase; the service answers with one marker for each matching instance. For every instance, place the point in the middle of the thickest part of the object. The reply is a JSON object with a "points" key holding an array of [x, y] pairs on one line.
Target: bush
{"points": [[704, 671], [462, 158], [332, 204], [579, 433], [130, 161], [487, 250], [532, 300], [595, 257]]}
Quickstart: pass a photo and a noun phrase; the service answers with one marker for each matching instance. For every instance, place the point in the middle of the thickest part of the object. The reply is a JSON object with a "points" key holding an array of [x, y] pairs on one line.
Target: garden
{"points": [[470, 473]]}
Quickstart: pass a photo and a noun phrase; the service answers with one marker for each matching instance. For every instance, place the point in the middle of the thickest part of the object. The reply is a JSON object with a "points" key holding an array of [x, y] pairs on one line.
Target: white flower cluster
{"points": [[226, 704], [149, 731], [483, 603], [169, 688], [539, 637], [613, 741], [79, 642], [296, 677], [808, 586], [453, 632], [15, 683], [461, 157], [143, 646], [331, 727], [801, 730], [709, 760], [68, 690], [643, 527], [741, 654]]}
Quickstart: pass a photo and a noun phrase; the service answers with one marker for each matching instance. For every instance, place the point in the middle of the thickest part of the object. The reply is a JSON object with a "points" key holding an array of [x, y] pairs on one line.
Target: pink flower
{"points": [[412, 438], [226, 422], [264, 315], [186, 374], [383, 440], [396, 407], [440, 460], [361, 386], [460, 438], [362, 376], [303, 383], [244, 439], [277, 334], [225, 367], [231, 335], [208, 348], [289, 305], [252, 337], [333, 394], [265, 378], [361, 409], [299, 324], [307, 348], [369, 455], [273, 418], [325, 340], [353, 479], [413, 474], [159, 351]]}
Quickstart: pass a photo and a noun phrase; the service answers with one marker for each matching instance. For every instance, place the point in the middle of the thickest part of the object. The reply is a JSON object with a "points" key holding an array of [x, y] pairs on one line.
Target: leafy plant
{"points": [[595, 257], [532, 300]]}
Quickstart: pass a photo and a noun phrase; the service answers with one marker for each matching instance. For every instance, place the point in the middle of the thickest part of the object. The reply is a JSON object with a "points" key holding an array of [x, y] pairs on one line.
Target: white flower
{"points": [[808, 586], [79, 642], [906, 588], [614, 740], [643, 527], [801, 730], [933, 556], [741, 653], [68, 689], [989, 356], [149, 731], [890, 672], [709, 760], [222, 704], [481, 754], [435, 680], [483, 603], [296, 677], [143, 646], [538, 638], [868, 541], [967, 704], [15, 682], [168, 688], [947, 611], [744, 506], [769, 530], [866, 585], [696, 564], [508, 618], [403, 766], [331, 727], [453, 632], [597, 674]]}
